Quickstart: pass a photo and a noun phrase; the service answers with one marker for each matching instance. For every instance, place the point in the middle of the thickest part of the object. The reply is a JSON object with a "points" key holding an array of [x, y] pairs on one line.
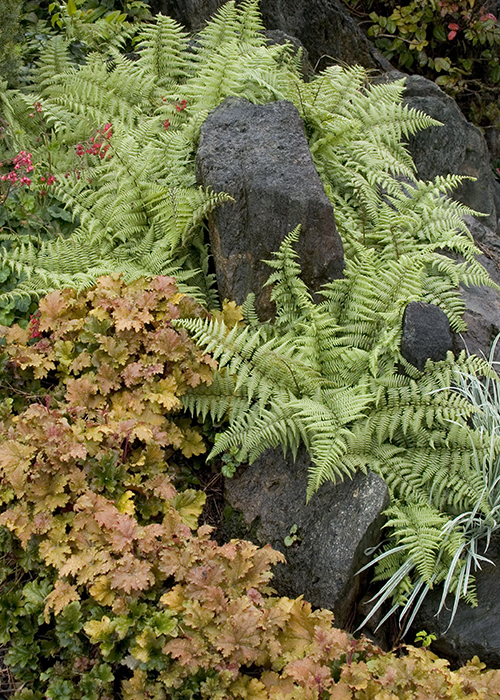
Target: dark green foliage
{"points": [[10, 58], [454, 42]]}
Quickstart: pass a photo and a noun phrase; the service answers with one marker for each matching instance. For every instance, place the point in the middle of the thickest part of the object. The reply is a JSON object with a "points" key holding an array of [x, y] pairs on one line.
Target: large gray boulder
{"points": [[327, 30], [457, 147], [324, 27], [330, 534], [259, 154]]}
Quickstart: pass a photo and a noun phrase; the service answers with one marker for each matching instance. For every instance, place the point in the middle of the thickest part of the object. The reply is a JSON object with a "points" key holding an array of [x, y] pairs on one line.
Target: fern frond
{"points": [[161, 47]]}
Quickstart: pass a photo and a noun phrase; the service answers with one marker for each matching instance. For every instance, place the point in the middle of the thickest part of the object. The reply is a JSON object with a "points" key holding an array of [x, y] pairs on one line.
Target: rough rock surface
{"points": [[456, 147], [259, 155], [426, 334], [475, 631], [333, 530], [482, 313], [324, 27], [277, 36]]}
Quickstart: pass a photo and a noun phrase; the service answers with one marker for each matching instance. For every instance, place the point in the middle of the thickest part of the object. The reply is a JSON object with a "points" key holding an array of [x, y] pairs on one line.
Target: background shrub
{"points": [[454, 42]]}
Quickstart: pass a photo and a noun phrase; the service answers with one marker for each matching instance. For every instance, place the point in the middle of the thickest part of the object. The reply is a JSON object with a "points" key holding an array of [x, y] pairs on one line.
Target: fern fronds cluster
{"points": [[331, 376]]}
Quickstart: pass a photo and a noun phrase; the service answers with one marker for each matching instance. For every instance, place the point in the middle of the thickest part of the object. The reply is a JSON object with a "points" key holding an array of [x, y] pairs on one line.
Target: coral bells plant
{"points": [[98, 144], [18, 176]]}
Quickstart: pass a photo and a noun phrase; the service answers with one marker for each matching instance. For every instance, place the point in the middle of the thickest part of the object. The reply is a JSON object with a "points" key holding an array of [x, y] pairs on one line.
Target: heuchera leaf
{"points": [[189, 504], [62, 594]]}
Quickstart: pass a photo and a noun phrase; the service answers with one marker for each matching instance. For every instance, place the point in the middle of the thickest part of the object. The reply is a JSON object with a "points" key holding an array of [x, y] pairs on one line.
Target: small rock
{"points": [[426, 334]]}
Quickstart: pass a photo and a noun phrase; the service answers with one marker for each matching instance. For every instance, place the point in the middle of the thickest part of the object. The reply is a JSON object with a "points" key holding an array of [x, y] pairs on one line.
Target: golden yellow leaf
{"points": [[55, 553], [192, 443], [125, 503], [101, 591], [174, 599], [189, 504], [231, 313], [98, 630], [248, 688]]}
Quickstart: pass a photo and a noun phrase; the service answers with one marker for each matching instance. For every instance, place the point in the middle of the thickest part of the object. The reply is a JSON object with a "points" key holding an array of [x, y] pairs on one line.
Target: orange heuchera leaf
{"points": [[62, 594], [107, 379], [356, 675], [82, 392], [310, 673], [52, 309], [241, 636], [190, 653], [133, 373], [128, 317], [166, 342], [17, 519], [341, 691], [165, 285], [15, 335], [132, 574]]}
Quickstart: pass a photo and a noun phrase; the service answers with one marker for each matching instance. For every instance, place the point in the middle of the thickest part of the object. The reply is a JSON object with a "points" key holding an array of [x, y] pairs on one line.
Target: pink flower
{"points": [[166, 124], [454, 29]]}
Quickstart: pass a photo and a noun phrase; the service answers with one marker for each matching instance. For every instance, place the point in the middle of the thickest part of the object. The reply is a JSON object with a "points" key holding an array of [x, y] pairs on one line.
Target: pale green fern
{"points": [[331, 376]]}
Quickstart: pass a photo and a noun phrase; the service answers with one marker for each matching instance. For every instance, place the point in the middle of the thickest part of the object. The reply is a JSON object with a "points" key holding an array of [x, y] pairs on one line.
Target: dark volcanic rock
{"points": [[334, 529], [193, 14], [475, 631], [457, 147], [259, 155], [482, 312], [426, 334], [324, 27], [276, 36]]}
